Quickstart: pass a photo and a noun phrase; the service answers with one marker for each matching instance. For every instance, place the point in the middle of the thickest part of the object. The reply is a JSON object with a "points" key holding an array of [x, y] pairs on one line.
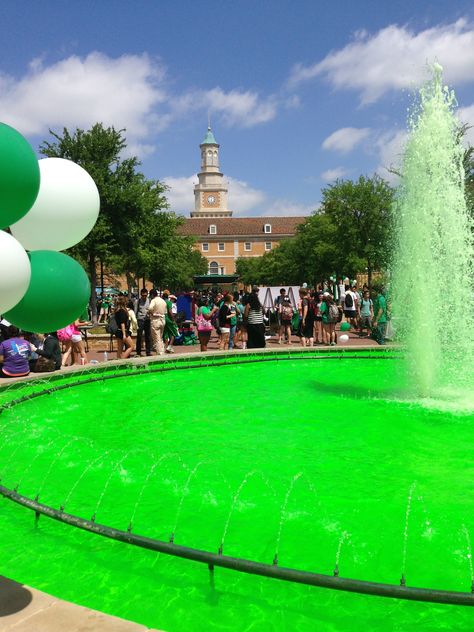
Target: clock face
{"points": [[211, 199]]}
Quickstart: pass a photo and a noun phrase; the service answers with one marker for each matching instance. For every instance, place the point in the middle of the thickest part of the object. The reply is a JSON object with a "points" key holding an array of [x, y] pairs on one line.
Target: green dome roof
{"points": [[209, 140]]}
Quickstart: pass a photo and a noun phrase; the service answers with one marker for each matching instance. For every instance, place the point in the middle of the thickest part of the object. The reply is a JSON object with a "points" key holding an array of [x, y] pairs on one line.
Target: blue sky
{"points": [[299, 92]]}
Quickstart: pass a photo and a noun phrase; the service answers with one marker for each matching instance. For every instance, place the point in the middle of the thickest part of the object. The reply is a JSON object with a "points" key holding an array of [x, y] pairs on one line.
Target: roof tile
{"points": [[241, 226]]}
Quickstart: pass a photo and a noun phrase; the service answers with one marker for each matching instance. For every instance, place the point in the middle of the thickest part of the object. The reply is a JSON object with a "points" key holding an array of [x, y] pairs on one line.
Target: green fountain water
{"points": [[432, 276]]}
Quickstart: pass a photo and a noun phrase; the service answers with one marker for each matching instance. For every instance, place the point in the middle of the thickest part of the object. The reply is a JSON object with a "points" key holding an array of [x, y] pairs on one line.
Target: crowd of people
{"points": [[239, 320]]}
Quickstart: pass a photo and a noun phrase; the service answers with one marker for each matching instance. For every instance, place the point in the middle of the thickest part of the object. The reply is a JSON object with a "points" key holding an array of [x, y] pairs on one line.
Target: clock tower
{"points": [[210, 194]]}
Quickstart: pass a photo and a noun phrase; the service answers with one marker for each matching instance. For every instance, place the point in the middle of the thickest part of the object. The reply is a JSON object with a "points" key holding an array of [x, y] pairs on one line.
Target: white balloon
{"points": [[15, 272], [344, 338], [65, 210]]}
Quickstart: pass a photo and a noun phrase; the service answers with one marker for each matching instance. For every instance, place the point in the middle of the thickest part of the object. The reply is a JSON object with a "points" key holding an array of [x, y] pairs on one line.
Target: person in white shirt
{"points": [[157, 311]]}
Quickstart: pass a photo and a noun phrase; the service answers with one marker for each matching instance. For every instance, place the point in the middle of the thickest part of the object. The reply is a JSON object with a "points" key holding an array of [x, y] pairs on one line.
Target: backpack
{"points": [[286, 312], [65, 333], [333, 313], [111, 326], [348, 301]]}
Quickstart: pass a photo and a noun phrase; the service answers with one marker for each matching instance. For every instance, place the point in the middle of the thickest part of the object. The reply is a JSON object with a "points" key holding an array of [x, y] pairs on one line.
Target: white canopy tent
{"points": [[268, 295]]}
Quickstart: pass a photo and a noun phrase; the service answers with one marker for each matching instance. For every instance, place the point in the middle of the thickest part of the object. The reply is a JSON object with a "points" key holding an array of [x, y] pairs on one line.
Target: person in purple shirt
{"points": [[14, 354]]}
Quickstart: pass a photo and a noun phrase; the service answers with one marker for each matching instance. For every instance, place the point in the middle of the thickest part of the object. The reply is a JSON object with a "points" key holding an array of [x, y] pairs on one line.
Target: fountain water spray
{"points": [[432, 294]]}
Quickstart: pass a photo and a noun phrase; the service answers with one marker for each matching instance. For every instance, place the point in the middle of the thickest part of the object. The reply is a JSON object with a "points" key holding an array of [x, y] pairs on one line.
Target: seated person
{"points": [[51, 349], [15, 352]]}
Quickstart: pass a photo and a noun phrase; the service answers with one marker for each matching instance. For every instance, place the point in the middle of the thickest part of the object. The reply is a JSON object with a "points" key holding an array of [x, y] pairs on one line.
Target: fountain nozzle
{"points": [[336, 571], [275, 560], [403, 581]]}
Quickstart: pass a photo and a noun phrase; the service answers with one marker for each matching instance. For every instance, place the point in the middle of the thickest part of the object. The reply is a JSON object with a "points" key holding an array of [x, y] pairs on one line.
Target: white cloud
{"points": [[466, 115], [235, 108], [395, 58], [345, 139], [242, 198], [334, 174], [123, 92], [181, 194], [285, 208], [390, 146], [128, 92]]}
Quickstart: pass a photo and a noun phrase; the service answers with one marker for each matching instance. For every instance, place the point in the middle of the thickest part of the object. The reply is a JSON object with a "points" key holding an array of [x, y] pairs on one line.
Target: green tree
{"points": [[132, 226], [361, 214]]}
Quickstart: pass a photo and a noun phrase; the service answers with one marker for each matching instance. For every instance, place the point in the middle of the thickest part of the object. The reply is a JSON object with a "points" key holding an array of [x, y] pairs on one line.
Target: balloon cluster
{"points": [[48, 205]]}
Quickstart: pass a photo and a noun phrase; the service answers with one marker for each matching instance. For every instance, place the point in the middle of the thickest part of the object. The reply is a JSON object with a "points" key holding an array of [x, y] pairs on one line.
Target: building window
{"points": [[220, 247], [213, 229], [247, 246], [205, 247], [268, 245], [213, 267], [267, 228]]}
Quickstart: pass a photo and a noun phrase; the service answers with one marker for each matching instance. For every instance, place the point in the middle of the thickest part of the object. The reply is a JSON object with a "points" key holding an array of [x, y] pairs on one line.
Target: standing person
{"points": [[226, 314], [307, 319], [366, 313], [132, 317], [253, 314], [105, 304], [329, 313], [233, 320], [77, 342], [277, 304], [350, 306], [157, 310], [286, 317], [318, 319], [203, 323], [123, 333], [143, 322], [239, 313], [380, 319], [15, 352], [171, 330]]}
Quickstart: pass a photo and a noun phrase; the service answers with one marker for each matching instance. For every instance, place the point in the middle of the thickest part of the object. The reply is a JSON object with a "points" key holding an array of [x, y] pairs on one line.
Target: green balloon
{"points": [[19, 176], [345, 326], [58, 293]]}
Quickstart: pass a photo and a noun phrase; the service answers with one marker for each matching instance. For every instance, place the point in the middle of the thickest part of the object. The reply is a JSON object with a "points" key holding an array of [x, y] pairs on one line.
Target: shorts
{"points": [[76, 338], [318, 318], [225, 330], [365, 321], [350, 313], [119, 334]]}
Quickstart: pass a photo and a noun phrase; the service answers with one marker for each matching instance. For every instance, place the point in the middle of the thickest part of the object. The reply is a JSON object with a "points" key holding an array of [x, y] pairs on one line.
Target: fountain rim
{"points": [[144, 366], [272, 571]]}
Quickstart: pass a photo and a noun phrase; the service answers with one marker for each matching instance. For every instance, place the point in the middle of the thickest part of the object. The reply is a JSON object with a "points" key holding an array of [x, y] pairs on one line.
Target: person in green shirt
{"points": [[380, 320], [171, 330]]}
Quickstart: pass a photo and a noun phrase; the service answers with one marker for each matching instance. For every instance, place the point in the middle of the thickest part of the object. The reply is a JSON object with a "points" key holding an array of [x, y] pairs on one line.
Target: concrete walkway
{"points": [[25, 609]]}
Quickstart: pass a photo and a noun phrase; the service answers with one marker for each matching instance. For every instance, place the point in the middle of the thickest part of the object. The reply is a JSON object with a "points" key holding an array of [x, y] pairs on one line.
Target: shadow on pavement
{"points": [[13, 597]]}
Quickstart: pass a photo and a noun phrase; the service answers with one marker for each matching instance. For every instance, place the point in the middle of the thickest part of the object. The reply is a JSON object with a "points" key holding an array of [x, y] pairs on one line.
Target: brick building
{"points": [[221, 238]]}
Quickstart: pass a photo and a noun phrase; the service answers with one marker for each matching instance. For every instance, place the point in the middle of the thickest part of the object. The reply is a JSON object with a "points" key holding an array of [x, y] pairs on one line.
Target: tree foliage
{"points": [[349, 233], [134, 234]]}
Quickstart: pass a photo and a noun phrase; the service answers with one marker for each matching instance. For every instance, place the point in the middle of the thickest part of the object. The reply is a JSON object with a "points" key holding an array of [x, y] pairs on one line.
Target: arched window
{"points": [[213, 267]]}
